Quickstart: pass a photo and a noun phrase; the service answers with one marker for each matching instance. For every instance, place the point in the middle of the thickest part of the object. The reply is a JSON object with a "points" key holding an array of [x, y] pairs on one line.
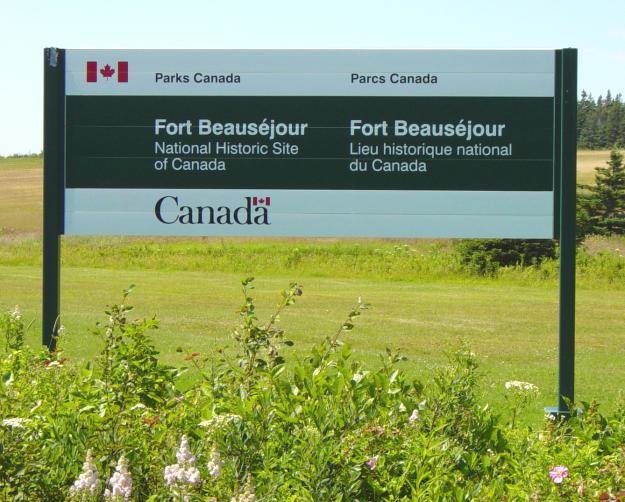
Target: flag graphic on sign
{"points": [[107, 71], [260, 201]]}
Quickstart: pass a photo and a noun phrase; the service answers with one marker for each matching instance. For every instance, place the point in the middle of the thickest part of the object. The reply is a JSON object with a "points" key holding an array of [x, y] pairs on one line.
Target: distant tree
{"points": [[615, 121], [600, 122], [602, 205], [586, 121]]}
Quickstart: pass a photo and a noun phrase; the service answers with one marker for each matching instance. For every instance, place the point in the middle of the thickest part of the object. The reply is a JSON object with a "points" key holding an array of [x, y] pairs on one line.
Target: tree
{"points": [[602, 205], [601, 122]]}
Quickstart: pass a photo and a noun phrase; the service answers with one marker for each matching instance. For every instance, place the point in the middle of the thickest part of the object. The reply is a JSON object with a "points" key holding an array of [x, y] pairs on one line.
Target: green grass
{"points": [[600, 267], [423, 301], [510, 321]]}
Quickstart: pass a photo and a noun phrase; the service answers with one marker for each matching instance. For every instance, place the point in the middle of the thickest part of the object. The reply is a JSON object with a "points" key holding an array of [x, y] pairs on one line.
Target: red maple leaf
{"points": [[107, 71]]}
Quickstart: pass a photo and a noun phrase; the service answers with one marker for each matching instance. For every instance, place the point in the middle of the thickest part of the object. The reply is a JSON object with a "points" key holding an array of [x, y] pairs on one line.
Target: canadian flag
{"points": [[256, 201], [107, 71]]}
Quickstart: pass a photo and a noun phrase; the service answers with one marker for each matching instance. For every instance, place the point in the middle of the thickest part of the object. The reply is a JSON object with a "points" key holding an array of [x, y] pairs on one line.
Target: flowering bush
{"points": [[120, 484], [257, 427], [184, 475], [519, 395], [88, 483]]}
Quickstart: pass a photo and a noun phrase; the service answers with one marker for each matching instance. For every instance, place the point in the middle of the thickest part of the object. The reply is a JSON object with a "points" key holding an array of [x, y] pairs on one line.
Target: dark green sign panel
{"points": [[441, 143]]}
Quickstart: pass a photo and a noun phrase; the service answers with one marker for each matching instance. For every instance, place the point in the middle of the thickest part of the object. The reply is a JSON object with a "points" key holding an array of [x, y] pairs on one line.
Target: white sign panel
{"points": [[415, 143]]}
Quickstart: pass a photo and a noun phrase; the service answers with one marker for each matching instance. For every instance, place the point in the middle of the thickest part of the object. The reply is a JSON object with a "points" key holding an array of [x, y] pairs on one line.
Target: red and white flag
{"points": [[256, 201], [107, 71]]}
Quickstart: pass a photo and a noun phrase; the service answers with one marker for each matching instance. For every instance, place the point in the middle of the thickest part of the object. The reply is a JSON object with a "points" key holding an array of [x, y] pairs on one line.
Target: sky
{"points": [[596, 28]]}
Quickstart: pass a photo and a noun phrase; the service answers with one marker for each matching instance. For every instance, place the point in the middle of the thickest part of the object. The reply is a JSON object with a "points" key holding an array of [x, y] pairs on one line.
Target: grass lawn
{"points": [[511, 327]]}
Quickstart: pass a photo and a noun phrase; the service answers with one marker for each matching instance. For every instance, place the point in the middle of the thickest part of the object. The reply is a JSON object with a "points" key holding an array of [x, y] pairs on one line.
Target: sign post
{"points": [[53, 190], [416, 143], [568, 173]]}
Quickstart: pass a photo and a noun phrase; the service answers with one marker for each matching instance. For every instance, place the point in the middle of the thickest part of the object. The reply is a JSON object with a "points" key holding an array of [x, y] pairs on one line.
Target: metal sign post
{"points": [[53, 190], [567, 62]]}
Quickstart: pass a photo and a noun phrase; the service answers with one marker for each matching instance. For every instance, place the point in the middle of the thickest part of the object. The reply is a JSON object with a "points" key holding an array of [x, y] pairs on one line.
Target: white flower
{"points": [[359, 375], [87, 483], [247, 495], [54, 364], [414, 416], [16, 315], [184, 455], [138, 406], [215, 463], [219, 422], [120, 484], [522, 386], [15, 423], [61, 331], [184, 474]]}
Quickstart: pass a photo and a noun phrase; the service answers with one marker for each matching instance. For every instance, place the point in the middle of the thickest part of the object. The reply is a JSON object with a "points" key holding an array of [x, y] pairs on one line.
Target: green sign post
{"points": [[312, 143], [53, 190], [567, 61]]}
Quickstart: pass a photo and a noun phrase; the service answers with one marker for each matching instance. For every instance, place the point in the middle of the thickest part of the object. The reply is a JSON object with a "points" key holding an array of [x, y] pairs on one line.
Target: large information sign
{"points": [[421, 143], [416, 143]]}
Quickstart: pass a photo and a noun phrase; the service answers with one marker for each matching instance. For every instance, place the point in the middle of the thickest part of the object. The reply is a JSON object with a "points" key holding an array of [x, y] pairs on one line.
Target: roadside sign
{"points": [[369, 143]]}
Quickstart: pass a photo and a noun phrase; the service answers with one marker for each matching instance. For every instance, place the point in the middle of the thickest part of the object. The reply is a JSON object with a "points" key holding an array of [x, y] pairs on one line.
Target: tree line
{"points": [[600, 121]]}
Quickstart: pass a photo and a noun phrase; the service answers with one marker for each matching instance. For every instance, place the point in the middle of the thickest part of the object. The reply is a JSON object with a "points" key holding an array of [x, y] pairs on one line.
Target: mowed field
{"points": [[421, 302], [21, 195], [588, 161]]}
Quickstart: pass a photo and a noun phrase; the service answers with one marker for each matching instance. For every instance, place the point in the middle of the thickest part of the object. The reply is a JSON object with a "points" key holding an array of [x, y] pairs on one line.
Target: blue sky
{"points": [[26, 27]]}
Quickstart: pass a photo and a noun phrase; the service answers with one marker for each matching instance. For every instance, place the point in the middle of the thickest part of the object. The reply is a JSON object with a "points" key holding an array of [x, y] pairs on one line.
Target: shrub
{"points": [[256, 426], [485, 256]]}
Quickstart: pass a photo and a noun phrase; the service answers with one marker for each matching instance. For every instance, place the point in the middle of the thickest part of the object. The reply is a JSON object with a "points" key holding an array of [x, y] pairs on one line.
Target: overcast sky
{"points": [[27, 26]]}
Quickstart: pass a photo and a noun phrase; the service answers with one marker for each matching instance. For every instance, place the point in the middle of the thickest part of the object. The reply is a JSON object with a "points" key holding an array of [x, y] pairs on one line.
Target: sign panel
{"points": [[419, 143]]}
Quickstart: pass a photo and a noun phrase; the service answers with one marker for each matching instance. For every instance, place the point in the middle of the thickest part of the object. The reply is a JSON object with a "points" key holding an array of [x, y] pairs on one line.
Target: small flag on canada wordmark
{"points": [[260, 200]]}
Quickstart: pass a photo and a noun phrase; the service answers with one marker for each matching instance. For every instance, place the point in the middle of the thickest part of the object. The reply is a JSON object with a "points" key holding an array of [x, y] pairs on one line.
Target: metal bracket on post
{"points": [[53, 58], [53, 190], [568, 173]]}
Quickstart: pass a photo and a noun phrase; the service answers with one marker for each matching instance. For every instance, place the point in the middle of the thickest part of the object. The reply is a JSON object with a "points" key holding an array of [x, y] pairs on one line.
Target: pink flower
{"points": [[87, 483], [558, 473], [373, 462], [184, 474], [120, 484]]}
